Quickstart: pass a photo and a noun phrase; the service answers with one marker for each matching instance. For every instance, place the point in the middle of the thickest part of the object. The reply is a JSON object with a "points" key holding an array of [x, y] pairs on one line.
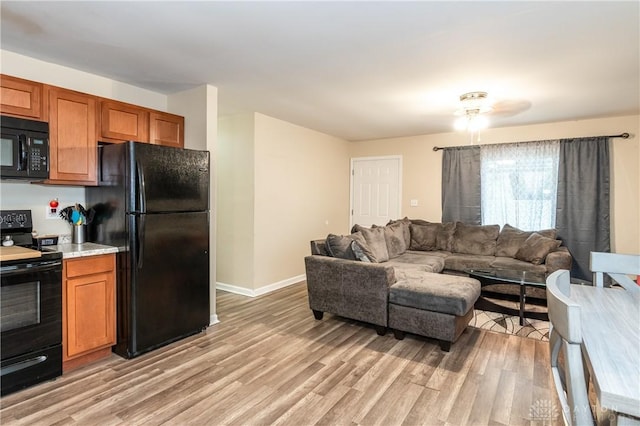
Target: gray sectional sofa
{"points": [[410, 274]]}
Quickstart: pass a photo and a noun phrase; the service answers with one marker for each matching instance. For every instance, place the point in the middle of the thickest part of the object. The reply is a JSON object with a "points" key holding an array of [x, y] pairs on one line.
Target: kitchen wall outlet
{"points": [[52, 212], [414, 203]]}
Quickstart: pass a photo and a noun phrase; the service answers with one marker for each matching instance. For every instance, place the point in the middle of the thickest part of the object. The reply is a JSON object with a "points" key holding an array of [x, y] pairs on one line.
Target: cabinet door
{"points": [[89, 306], [21, 98], [121, 122], [72, 136], [166, 129]]}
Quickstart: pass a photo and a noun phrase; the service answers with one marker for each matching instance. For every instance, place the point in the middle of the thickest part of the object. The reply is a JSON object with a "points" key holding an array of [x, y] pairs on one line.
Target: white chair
{"points": [[566, 335], [618, 267]]}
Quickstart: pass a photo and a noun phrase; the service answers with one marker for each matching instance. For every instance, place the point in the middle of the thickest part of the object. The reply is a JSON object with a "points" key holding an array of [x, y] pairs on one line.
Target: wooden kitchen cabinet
{"points": [[72, 137], [21, 98], [88, 309], [121, 122], [166, 129]]}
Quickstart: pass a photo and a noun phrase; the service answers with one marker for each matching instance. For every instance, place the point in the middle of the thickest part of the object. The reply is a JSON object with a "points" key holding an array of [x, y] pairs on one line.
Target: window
{"points": [[519, 184]]}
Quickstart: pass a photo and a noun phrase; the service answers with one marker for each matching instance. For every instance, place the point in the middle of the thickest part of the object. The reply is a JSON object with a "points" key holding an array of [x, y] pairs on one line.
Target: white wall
{"points": [[422, 167], [27, 196]]}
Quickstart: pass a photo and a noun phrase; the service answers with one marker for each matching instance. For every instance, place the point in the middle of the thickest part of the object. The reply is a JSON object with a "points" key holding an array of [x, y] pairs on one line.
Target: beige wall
{"points": [[422, 167], [280, 185], [235, 174], [302, 192]]}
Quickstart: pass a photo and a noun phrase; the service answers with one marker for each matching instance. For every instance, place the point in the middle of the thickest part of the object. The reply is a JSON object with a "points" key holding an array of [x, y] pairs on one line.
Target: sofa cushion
{"points": [[375, 242], [340, 245], [511, 239], [444, 239], [418, 260], [475, 239], [450, 294], [394, 236], [463, 262], [536, 248], [406, 222], [424, 237], [504, 262]]}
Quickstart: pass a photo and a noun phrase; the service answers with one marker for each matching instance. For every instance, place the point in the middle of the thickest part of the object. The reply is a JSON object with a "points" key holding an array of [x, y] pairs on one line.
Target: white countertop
{"points": [[81, 250]]}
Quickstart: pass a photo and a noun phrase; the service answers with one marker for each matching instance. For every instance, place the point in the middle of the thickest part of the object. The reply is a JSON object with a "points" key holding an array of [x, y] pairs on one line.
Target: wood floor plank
{"points": [[270, 362]]}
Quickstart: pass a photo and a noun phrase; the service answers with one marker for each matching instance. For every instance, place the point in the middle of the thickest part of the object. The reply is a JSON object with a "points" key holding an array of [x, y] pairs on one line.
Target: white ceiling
{"points": [[356, 70]]}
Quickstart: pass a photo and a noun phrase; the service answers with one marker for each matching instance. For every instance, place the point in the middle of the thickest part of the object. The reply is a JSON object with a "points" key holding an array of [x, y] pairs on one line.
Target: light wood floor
{"points": [[269, 362]]}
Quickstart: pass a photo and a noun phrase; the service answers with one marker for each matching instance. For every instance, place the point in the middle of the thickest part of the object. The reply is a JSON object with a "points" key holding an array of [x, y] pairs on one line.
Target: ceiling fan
{"points": [[475, 107]]}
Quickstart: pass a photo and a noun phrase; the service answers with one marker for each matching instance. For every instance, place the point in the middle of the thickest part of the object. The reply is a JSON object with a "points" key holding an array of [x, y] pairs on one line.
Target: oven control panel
{"points": [[17, 220]]}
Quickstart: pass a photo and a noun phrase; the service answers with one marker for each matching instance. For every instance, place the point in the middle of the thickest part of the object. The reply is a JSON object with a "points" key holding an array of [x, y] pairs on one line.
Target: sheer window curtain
{"points": [[519, 184]]}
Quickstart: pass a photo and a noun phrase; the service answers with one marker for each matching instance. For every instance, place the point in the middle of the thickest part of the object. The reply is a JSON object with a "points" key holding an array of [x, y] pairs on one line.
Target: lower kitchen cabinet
{"points": [[89, 309]]}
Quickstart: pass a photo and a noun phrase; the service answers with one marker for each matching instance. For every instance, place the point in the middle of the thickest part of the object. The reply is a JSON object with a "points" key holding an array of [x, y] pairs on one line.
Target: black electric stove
{"points": [[30, 309]]}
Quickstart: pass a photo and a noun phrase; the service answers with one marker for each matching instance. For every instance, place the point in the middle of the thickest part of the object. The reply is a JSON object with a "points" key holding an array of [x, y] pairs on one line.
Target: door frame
{"points": [[351, 174]]}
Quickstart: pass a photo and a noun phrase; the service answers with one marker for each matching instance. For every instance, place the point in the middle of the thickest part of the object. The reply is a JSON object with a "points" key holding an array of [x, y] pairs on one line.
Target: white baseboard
{"points": [[213, 319], [261, 290]]}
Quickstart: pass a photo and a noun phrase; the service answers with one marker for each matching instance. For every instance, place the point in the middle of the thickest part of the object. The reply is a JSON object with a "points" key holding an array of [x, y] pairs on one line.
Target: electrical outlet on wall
{"points": [[51, 213], [52, 209]]}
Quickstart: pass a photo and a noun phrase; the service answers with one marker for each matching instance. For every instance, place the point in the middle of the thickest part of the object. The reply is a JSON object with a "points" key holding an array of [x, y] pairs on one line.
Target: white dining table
{"points": [[610, 322]]}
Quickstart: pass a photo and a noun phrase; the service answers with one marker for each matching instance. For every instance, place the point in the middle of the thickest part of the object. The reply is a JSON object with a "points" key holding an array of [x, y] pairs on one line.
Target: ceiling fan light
{"points": [[461, 123], [477, 122]]}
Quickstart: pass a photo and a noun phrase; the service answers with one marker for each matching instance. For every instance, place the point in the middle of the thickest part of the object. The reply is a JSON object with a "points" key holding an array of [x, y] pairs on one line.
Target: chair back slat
{"points": [[617, 266]]}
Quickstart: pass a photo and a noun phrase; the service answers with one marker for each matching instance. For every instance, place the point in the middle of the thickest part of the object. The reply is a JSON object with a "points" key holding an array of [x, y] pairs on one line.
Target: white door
{"points": [[375, 190]]}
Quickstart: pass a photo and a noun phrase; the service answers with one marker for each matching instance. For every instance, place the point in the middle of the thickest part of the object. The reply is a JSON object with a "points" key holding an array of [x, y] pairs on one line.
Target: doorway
{"points": [[376, 188]]}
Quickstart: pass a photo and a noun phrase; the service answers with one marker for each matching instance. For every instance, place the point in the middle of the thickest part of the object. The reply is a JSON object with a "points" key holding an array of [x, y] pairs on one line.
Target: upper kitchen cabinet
{"points": [[72, 136], [166, 129], [121, 122], [21, 98]]}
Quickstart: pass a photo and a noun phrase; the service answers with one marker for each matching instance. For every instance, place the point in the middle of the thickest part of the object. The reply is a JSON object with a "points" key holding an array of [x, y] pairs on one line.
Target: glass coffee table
{"points": [[502, 287]]}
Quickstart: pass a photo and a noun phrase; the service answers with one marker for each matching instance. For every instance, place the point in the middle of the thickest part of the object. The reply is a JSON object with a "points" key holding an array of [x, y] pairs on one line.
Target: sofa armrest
{"points": [[353, 289], [558, 259]]}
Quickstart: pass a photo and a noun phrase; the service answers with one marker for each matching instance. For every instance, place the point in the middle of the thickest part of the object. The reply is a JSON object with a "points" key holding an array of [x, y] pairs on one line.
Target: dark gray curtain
{"points": [[582, 215], [461, 185]]}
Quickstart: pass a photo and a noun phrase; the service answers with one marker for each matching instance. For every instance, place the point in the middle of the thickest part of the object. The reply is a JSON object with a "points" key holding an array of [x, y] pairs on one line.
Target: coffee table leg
{"points": [[523, 296]]}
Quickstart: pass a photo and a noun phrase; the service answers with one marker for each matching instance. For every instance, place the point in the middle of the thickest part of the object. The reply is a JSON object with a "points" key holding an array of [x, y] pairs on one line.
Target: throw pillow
{"points": [[444, 239], [405, 230], [536, 248], [475, 239], [361, 252], [376, 243], [340, 245], [424, 237], [395, 239], [511, 239]]}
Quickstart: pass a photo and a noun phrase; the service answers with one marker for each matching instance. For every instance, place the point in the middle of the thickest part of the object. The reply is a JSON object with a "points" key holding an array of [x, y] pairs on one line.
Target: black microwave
{"points": [[24, 149]]}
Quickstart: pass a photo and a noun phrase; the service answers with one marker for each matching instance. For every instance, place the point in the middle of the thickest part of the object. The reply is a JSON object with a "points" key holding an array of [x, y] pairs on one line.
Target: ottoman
{"points": [[438, 306]]}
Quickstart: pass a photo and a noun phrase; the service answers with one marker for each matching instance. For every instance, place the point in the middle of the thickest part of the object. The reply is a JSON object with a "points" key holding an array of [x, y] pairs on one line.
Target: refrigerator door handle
{"points": [[140, 232], [140, 183]]}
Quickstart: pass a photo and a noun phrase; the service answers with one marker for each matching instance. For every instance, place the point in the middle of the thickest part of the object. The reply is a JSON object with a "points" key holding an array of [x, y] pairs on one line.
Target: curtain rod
{"points": [[624, 135]]}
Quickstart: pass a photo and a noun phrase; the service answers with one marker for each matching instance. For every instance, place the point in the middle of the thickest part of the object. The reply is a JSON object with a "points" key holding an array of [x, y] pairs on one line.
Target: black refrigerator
{"points": [[153, 203]]}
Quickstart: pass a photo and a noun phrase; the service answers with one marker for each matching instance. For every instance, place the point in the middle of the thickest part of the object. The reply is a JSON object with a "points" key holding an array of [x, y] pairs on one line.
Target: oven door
{"points": [[30, 306]]}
